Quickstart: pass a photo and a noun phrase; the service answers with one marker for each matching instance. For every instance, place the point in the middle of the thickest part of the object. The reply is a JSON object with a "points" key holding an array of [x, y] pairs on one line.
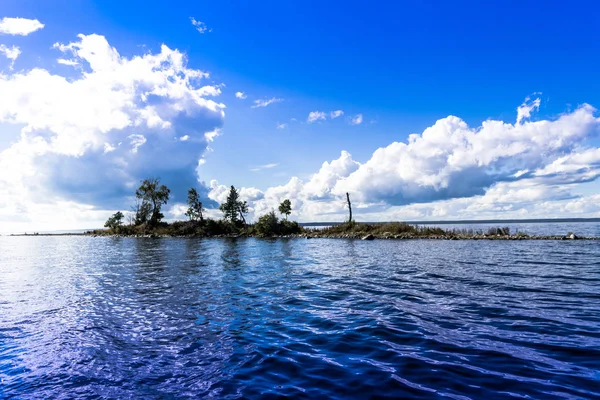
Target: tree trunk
{"points": [[349, 207]]}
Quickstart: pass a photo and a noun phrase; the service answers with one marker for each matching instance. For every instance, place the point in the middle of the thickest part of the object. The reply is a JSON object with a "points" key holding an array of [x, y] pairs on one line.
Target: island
{"points": [[146, 220]]}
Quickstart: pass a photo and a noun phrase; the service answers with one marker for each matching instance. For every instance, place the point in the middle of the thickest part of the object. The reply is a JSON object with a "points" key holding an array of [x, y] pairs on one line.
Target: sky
{"points": [[422, 110]]}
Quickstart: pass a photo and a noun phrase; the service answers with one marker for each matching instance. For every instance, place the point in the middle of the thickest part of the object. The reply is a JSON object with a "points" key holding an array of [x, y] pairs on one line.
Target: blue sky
{"points": [[402, 66]]}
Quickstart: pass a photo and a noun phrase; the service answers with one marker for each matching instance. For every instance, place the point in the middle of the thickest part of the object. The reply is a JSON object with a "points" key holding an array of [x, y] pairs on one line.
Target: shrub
{"points": [[267, 225]]}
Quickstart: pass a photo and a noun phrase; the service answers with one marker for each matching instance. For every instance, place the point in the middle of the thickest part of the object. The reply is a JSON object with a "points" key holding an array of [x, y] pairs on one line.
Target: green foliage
{"points": [[406, 230], [194, 211], [152, 196], [142, 212], [115, 221], [234, 209], [267, 225], [285, 208], [270, 225], [289, 228], [384, 229], [219, 227]]}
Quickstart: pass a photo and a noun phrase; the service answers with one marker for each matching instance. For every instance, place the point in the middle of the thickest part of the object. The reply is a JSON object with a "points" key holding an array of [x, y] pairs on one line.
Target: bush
{"points": [[289, 228], [267, 225]]}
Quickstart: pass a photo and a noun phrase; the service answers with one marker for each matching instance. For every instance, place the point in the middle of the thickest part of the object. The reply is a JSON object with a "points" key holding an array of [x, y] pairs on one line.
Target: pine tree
{"points": [[194, 211], [285, 208], [233, 209]]}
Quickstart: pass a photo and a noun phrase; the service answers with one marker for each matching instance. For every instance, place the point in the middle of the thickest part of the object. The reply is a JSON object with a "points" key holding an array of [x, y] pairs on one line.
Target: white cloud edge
{"points": [[19, 26], [266, 102], [200, 26]]}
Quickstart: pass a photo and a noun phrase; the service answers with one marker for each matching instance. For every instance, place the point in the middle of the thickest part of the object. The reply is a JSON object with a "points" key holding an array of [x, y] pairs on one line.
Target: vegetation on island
{"points": [[146, 219]]}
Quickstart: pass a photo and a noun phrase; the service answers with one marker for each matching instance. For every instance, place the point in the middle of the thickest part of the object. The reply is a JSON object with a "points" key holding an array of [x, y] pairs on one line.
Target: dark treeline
{"points": [[146, 216]]}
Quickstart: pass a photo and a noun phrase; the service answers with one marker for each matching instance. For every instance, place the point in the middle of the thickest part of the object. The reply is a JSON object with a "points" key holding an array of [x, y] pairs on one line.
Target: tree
{"points": [[285, 208], [194, 211], [243, 209], [234, 207], [141, 212], [349, 207], [267, 225], [115, 221], [154, 194]]}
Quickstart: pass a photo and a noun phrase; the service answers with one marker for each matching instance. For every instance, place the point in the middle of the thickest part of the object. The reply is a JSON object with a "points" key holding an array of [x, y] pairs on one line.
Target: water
{"points": [[84, 317]]}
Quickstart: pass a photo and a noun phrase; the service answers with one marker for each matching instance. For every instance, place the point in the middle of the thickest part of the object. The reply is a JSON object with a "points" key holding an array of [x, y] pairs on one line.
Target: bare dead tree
{"points": [[349, 207]]}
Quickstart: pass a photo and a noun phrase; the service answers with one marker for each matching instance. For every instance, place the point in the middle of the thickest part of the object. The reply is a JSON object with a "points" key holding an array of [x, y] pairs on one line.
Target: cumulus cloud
{"points": [[240, 95], [315, 116], [199, 25], [264, 103], [281, 126], [12, 53], [356, 120], [91, 138], [335, 114], [451, 160], [451, 170], [19, 26]]}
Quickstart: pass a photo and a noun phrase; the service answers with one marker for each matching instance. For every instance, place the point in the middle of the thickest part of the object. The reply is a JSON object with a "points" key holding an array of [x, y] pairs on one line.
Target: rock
{"points": [[572, 236], [368, 237]]}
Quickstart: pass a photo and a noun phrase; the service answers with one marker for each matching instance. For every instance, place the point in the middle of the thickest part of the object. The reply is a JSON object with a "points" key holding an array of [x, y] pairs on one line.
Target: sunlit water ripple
{"points": [[84, 317]]}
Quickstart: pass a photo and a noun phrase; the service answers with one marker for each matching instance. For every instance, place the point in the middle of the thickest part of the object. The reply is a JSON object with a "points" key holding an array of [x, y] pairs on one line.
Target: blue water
{"points": [[84, 317]]}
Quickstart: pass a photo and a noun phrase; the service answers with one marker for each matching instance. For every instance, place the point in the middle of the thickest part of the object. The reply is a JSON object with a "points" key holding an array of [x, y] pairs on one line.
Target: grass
{"points": [[403, 229]]}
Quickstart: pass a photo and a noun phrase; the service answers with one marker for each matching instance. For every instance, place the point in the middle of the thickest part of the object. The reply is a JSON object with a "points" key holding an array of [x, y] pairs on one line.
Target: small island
{"points": [[146, 220]]}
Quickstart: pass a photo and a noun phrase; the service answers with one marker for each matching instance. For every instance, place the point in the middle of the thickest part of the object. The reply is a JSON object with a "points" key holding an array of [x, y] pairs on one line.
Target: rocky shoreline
{"points": [[390, 236]]}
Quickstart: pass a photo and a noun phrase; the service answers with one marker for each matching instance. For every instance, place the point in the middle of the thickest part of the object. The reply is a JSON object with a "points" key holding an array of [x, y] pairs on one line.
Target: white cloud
{"points": [[87, 140], [19, 26], [12, 53], [453, 171], [240, 95], [281, 126], [450, 160], [524, 110], [266, 166], [356, 120], [64, 61], [136, 142], [321, 183], [211, 135], [209, 90], [199, 25], [264, 103], [335, 114], [315, 116]]}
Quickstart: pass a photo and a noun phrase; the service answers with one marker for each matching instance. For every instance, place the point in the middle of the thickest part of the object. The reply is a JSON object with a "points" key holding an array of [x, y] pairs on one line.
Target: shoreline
{"points": [[316, 235]]}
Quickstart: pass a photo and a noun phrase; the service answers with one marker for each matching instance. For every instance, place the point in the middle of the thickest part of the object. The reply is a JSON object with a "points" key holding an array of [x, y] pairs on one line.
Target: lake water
{"points": [[84, 317]]}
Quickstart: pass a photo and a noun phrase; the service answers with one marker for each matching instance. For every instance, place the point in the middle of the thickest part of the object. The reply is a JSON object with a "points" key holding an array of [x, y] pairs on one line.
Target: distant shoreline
{"points": [[470, 222]]}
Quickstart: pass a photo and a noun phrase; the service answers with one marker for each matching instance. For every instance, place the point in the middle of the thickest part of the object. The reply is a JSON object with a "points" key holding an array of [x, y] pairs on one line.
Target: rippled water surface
{"points": [[173, 318]]}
